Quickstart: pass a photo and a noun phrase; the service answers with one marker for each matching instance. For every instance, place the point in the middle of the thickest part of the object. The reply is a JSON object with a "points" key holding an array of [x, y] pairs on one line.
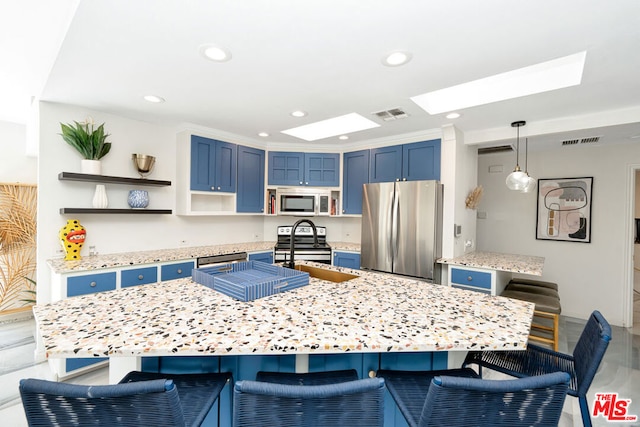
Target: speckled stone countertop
{"points": [[115, 260], [372, 313], [60, 266], [345, 246], [524, 264]]}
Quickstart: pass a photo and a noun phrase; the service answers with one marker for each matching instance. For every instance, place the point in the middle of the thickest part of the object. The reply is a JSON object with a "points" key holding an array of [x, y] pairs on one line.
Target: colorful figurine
{"points": [[72, 238]]}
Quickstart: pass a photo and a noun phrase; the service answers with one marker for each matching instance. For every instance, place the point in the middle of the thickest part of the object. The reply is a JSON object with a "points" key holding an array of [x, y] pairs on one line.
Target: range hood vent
{"points": [[392, 114], [587, 140], [496, 149]]}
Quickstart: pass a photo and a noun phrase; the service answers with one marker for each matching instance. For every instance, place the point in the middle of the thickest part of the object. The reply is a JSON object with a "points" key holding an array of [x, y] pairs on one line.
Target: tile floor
{"points": [[619, 372]]}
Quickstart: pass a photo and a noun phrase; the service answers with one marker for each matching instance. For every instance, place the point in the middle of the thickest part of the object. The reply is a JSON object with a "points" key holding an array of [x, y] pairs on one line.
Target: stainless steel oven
{"points": [[303, 244]]}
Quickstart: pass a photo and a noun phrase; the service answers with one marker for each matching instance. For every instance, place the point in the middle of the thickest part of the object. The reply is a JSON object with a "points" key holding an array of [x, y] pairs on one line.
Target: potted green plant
{"points": [[90, 141]]}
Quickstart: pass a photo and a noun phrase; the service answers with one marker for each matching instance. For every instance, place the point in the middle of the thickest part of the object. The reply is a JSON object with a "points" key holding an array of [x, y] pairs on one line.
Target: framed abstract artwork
{"points": [[564, 209]]}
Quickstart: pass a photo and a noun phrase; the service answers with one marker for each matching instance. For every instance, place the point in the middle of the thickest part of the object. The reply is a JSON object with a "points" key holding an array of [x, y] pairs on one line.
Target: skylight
{"points": [[341, 125], [543, 77]]}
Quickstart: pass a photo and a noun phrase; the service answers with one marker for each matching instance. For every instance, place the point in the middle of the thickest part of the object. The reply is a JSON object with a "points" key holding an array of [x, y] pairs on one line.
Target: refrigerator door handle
{"points": [[394, 226]]}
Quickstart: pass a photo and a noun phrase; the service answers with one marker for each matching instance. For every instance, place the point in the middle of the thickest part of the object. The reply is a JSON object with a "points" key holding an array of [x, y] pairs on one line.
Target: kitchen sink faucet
{"points": [[292, 263]]}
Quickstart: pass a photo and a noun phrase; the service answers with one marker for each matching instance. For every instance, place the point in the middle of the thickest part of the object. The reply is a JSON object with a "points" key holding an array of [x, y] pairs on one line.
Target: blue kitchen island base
{"points": [[246, 368]]}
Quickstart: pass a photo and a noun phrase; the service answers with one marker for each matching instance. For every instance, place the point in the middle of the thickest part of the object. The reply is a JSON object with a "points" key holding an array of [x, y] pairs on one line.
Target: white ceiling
{"points": [[323, 57]]}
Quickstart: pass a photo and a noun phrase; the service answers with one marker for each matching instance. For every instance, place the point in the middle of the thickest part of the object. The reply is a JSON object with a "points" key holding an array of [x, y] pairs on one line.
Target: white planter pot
{"points": [[93, 167]]}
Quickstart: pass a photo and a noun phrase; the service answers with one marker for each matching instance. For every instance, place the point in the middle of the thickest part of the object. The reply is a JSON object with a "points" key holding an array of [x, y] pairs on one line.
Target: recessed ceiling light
{"points": [[343, 137], [263, 134], [348, 123], [154, 99], [396, 59], [215, 53], [453, 115], [298, 113], [543, 77]]}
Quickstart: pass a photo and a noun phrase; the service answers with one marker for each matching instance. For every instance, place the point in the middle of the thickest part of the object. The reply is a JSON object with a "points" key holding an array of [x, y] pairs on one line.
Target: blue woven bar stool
{"points": [[137, 401], [582, 365], [351, 403], [309, 378], [437, 398]]}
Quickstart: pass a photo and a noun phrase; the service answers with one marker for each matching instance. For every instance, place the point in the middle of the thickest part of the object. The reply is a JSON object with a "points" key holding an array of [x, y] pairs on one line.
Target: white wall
{"points": [[592, 275], [124, 233], [15, 165], [459, 176]]}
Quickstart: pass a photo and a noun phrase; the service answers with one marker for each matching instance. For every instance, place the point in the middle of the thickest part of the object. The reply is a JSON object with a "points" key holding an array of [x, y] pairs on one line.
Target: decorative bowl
{"points": [[143, 163]]}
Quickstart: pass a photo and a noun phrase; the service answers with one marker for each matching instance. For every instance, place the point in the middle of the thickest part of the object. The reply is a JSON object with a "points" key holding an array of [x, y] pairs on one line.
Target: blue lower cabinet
{"points": [[91, 283], [346, 259], [262, 257], [81, 362], [176, 271], [138, 276], [246, 368]]}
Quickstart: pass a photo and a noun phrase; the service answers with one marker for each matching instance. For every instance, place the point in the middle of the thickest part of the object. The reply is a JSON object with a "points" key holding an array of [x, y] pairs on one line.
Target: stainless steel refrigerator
{"points": [[402, 227]]}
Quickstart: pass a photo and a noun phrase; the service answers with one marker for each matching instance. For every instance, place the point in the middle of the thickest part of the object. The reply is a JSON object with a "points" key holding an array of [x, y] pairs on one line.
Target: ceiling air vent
{"points": [[392, 114], [496, 149]]}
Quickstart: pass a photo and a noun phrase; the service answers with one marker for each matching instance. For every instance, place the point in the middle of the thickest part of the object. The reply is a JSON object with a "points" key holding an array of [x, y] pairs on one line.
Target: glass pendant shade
{"points": [[530, 185], [517, 179]]}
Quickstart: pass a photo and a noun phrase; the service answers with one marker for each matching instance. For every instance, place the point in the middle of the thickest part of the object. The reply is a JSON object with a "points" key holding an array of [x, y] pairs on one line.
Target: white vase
{"points": [[93, 167], [100, 200]]}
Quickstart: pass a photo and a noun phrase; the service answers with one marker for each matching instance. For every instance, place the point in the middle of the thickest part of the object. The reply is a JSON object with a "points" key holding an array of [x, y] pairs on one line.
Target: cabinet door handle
{"points": [[93, 284], [140, 277], [213, 188], [469, 278], [306, 183], [300, 182], [218, 188], [404, 179], [397, 179], [343, 211], [179, 271]]}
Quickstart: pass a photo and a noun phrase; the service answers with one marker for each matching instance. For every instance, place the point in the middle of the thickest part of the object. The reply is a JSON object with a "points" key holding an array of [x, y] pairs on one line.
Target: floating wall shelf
{"points": [[72, 176], [113, 211]]}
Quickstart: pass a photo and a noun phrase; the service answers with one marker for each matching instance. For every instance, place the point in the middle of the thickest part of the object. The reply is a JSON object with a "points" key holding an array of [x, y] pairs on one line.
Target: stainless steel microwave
{"points": [[303, 201]]}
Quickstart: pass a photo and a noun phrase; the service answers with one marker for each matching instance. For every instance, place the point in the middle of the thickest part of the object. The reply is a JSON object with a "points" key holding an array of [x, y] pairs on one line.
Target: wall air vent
{"points": [[570, 142], [587, 140], [392, 114], [496, 149], [590, 140]]}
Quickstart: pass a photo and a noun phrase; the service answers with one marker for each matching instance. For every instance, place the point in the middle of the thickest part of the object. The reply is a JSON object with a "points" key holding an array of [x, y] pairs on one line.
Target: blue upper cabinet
{"points": [[322, 169], [408, 162], [250, 196], [213, 165], [421, 160], [386, 164], [286, 168], [296, 169], [355, 174]]}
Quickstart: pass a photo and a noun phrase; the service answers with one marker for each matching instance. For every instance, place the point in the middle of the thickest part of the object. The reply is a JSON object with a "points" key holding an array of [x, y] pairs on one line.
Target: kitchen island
{"points": [[375, 318]]}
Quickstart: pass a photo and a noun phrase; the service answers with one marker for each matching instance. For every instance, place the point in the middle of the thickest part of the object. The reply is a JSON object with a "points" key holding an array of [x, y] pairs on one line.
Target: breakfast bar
{"points": [[369, 320]]}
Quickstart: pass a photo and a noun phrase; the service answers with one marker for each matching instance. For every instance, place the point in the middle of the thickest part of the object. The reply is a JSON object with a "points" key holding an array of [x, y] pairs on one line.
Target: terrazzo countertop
{"points": [[345, 246], [96, 262], [524, 264], [372, 313]]}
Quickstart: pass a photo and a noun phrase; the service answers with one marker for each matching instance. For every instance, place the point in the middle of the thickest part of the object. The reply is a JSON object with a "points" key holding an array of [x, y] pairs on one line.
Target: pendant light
{"points": [[531, 182], [517, 180]]}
